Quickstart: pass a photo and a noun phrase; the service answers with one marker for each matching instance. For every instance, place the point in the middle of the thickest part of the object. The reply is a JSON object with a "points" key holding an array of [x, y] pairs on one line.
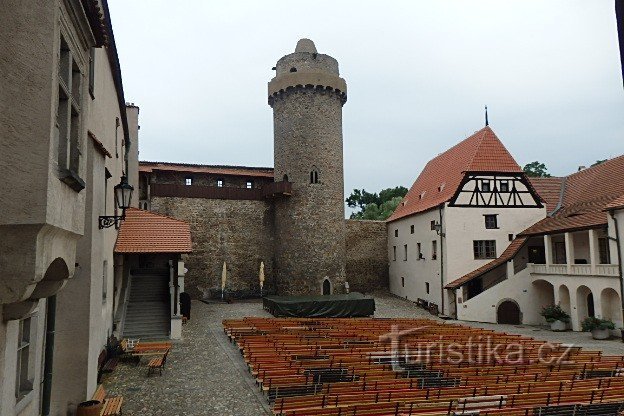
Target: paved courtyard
{"points": [[206, 375]]}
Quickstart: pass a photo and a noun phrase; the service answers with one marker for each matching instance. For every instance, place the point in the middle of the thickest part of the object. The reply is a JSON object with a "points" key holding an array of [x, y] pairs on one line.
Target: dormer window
{"points": [[441, 187], [422, 195]]}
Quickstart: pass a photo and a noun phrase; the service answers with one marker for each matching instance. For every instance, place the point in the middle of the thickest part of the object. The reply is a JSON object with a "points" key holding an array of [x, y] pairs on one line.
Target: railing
{"points": [[271, 189], [575, 269]]}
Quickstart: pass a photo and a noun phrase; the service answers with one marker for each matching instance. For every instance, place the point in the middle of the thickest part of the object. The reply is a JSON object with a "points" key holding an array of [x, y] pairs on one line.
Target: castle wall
{"points": [[367, 259], [238, 232]]}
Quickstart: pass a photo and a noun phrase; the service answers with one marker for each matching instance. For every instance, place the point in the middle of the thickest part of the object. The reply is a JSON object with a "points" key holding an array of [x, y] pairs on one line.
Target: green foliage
{"points": [[536, 169], [373, 206], [590, 323], [599, 162], [554, 313]]}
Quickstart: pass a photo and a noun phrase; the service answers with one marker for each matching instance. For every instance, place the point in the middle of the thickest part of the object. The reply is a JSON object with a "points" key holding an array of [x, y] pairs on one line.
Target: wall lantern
{"points": [[438, 229], [123, 197]]}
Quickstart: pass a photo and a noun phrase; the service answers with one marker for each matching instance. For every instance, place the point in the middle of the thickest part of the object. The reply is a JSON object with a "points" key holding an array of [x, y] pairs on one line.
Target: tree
{"points": [[373, 206], [536, 170]]}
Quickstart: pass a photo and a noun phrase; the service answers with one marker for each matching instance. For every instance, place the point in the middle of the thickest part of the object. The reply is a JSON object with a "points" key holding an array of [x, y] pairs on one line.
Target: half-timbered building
{"points": [[462, 211]]}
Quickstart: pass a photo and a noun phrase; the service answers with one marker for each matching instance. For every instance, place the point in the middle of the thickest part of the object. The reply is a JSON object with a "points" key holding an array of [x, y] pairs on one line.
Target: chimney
{"points": [[582, 168]]}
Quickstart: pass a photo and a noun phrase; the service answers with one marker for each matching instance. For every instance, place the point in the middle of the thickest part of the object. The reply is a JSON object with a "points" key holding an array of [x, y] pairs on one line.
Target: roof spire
{"points": [[487, 123]]}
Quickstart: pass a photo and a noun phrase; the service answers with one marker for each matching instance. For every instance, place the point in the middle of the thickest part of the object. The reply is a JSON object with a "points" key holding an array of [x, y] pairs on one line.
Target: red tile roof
{"points": [[507, 255], [617, 203], [586, 195], [247, 171], [99, 145], [439, 180], [549, 189], [146, 232]]}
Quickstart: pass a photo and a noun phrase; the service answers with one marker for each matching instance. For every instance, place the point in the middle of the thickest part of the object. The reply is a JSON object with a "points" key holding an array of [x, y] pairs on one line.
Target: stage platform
{"points": [[329, 306]]}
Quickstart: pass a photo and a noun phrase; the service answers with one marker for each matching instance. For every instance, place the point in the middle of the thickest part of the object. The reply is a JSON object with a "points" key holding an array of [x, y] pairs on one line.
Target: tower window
{"points": [[402, 282], [427, 287], [393, 253], [412, 229], [314, 176], [293, 69], [405, 252], [396, 232]]}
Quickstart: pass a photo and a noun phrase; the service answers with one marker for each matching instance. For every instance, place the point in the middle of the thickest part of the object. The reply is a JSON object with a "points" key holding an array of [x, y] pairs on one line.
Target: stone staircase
{"points": [[148, 314]]}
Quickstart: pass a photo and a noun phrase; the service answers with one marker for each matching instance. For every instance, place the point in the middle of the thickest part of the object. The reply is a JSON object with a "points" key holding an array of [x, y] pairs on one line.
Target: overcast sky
{"points": [[418, 76]]}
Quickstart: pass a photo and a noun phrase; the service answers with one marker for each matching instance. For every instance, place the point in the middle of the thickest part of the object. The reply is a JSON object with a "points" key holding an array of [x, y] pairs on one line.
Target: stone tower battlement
{"points": [[305, 69], [307, 95]]}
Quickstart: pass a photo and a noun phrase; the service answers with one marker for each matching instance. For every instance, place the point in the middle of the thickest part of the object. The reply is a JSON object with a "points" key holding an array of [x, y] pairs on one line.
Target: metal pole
{"points": [[48, 355]]}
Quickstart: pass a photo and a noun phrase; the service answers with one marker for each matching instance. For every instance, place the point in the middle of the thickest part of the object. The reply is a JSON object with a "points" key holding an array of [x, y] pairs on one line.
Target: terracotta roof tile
{"points": [[507, 255], [617, 203], [146, 232], [145, 166], [439, 180], [549, 189]]}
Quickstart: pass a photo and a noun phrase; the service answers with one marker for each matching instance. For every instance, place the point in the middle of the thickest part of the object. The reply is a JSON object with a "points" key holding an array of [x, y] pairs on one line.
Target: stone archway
{"points": [[327, 287], [508, 312], [584, 303], [611, 306], [545, 293], [564, 299]]}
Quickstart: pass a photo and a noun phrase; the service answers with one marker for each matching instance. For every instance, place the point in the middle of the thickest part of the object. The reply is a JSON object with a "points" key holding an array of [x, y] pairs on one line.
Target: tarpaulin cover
{"points": [[327, 306]]}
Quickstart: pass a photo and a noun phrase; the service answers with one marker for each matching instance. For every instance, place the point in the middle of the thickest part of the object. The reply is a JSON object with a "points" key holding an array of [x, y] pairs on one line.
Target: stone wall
{"points": [[237, 232], [367, 255]]}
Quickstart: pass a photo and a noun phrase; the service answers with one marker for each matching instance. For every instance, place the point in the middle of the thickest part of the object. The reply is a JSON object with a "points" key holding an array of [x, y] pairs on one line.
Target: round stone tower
{"points": [[307, 95]]}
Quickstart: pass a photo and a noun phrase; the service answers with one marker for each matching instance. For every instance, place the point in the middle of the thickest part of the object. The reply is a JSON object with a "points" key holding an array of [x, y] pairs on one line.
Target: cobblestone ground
{"points": [[206, 375]]}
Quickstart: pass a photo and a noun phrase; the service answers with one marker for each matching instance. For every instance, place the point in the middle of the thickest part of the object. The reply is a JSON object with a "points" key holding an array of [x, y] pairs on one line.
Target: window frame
{"points": [[489, 217], [220, 183], [484, 249], [24, 365], [500, 186], [485, 182], [412, 229], [249, 184]]}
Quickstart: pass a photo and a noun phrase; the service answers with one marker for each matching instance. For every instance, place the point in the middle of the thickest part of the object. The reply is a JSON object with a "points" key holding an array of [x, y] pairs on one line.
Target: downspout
{"points": [[49, 354], [619, 254], [441, 259]]}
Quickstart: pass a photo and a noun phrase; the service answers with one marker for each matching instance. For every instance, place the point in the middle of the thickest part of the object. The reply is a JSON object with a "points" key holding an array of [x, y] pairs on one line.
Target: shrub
{"points": [[591, 323], [554, 313]]}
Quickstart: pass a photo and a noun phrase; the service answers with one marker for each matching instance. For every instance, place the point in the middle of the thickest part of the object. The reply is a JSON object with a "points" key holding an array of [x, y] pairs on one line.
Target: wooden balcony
{"points": [[270, 190]]}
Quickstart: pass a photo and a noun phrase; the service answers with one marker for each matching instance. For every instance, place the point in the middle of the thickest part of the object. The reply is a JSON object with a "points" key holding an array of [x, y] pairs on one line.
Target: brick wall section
{"points": [[367, 255], [238, 232]]}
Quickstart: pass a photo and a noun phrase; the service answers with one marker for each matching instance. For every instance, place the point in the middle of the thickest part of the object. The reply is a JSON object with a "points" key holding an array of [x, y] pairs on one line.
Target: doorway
{"points": [[326, 287], [508, 313]]}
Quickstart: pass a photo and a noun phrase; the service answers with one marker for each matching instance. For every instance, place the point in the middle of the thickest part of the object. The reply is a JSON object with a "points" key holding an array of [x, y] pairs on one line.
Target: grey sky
{"points": [[418, 75]]}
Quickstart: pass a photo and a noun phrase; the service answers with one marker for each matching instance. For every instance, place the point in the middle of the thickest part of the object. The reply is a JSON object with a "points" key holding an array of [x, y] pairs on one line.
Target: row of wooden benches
{"points": [[348, 367]]}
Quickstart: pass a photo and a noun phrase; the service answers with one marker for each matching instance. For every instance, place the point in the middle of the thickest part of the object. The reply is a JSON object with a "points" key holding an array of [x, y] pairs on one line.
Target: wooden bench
{"points": [[105, 364], [157, 363], [112, 405]]}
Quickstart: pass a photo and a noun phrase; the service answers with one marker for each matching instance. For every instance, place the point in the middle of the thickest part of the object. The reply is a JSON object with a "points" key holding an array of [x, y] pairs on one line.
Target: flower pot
{"points": [[89, 408], [558, 326], [601, 333]]}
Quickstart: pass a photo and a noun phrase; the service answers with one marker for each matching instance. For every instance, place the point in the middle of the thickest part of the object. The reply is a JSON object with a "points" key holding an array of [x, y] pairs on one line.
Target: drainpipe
{"points": [[441, 259], [48, 355], [619, 254]]}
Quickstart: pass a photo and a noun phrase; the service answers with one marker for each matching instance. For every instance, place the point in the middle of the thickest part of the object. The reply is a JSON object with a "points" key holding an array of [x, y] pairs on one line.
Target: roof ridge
{"points": [[593, 168], [206, 165]]}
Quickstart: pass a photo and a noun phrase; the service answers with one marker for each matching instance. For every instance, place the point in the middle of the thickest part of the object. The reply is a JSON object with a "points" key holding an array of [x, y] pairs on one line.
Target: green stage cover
{"points": [[327, 306]]}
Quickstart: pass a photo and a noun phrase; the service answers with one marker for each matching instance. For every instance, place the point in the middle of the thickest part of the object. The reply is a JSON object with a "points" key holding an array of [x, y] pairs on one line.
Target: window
{"points": [[491, 221], [603, 248], [504, 186], [249, 185], [24, 371], [188, 181], [220, 183], [293, 69], [104, 280], [92, 73], [433, 224], [485, 186], [427, 287], [67, 128], [484, 249], [411, 229], [393, 253], [396, 232], [405, 252], [314, 176], [402, 282], [107, 176], [434, 250], [419, 251], [285, 178], [510, 236]]}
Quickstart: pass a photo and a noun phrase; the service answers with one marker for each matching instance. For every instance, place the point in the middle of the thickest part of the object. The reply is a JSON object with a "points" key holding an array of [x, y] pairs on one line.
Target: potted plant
{"points": [[556, 317], [599, 328]]}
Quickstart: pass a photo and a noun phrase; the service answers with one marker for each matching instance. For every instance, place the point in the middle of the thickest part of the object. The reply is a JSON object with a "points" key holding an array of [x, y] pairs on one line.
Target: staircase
{"points": [[148, 314]]}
